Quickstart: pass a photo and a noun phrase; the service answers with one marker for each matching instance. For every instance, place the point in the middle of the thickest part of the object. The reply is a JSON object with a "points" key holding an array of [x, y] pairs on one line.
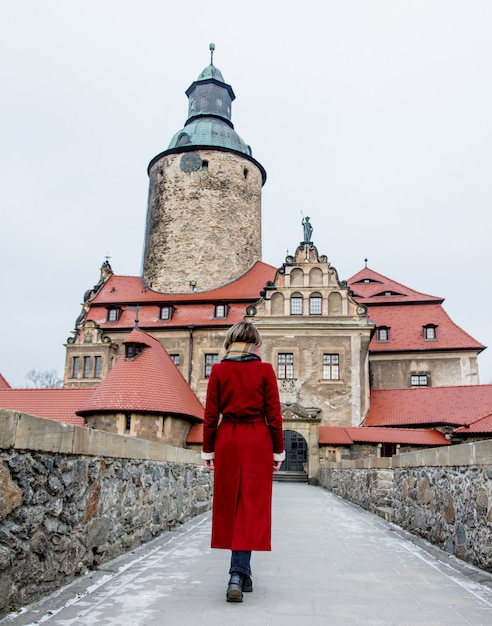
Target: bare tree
{"points": [[43, 378]]}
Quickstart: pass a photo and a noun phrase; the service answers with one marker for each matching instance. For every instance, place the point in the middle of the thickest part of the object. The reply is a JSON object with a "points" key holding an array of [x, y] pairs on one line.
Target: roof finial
{"points": [[365, 261], [212, 48]]}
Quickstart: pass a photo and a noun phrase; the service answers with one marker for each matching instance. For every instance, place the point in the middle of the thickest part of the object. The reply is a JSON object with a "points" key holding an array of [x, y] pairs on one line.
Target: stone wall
{"points": [[442, 494], [72, 498], [204, 226]]}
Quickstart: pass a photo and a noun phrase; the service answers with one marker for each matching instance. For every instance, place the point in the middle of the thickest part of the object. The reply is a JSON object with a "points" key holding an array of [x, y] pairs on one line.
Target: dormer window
{"points": [[430, 332], [113, 314], [220, 311], [183, 139], [166, 312], [367, 281], [386, 293], [383, 334], [419, 380], [132, 350]]}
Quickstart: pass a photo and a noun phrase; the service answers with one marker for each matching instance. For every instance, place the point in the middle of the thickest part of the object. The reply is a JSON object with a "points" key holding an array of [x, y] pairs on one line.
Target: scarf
{"points": [[239, 351]]}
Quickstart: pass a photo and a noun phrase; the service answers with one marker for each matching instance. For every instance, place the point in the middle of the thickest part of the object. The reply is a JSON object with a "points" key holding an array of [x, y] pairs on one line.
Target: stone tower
{"points": [[204, 212]]}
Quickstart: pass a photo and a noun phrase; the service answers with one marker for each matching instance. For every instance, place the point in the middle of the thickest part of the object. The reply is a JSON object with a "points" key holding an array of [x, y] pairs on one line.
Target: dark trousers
{"points": [[240, 562]]}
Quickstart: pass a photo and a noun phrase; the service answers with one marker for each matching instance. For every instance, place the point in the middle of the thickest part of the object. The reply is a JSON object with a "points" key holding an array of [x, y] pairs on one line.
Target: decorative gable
{"points": [[305, 286]]}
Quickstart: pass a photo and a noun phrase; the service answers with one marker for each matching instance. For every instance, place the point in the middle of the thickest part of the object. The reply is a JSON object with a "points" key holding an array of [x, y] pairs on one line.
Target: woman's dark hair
{"points": [[243, 332]]}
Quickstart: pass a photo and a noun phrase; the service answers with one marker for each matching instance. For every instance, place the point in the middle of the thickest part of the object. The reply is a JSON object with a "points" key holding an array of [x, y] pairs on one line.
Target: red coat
{"points": [[245, 393]]}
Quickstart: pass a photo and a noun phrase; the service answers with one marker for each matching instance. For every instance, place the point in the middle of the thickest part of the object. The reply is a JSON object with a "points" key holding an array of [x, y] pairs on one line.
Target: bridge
{"points": [[331, 563]]}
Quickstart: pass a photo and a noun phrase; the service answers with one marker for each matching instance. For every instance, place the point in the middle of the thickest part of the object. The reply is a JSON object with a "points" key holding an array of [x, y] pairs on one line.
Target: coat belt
{"points": [[243, 419]]}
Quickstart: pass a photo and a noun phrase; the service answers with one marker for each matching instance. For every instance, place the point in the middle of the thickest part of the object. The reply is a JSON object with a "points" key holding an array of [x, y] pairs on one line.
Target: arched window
{"points": [[315, 304], [296, 304]]}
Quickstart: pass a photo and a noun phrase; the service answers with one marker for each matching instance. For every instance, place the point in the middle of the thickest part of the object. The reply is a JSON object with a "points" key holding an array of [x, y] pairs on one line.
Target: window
{"points": [[87, 367], [210, 359], [315, 302], [75, 366], [331, 367], [132, 350], [114, 314], [183, 139], [388, 449], [220, 310], [128, 422], [204, 166], [383, 334], [430, 333], [419, 380], [296, 304], [97, 366], [175, 359], [166, 312], [285, 367]]}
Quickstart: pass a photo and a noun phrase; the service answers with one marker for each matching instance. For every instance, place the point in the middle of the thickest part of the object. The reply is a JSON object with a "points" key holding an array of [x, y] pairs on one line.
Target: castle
{"points": [[334, 343]]}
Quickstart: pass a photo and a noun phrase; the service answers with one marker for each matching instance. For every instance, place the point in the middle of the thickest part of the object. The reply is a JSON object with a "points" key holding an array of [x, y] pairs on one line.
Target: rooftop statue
{"points": [[308, 229]]}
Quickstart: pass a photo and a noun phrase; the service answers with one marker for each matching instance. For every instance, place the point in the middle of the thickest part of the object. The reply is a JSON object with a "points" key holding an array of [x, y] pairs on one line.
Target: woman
{"points": [[243, 443]]}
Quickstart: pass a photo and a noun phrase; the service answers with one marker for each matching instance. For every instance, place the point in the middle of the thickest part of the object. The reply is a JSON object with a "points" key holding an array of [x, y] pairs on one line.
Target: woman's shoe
{"points": [[247, 583], [235, 588]]}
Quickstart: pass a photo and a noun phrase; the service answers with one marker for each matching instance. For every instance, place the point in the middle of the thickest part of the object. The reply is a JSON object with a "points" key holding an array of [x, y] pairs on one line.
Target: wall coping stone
{"points": [[28, 432], [461, 455]]}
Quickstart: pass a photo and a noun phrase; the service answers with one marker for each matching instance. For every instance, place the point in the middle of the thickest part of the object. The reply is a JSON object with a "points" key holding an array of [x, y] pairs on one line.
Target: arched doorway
{"points": [[296, 452]]}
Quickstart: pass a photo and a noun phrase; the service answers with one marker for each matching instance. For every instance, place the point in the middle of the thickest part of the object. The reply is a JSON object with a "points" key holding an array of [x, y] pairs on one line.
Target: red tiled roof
{"points": [[335, 436], [481, 426], [131, 289], [347, 435], [184, 315], [3, 383], [196, 434], [150, 382], [429, 405], [371, 292], [55, 404], [406, 332]]}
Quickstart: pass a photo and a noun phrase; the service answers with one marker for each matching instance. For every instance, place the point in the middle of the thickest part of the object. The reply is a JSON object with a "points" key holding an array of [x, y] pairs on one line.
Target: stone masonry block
{"points": [[483, 452], [37, 433], [10, 493], [136, 448], [463, 454], [99, 443], [8, 426]]}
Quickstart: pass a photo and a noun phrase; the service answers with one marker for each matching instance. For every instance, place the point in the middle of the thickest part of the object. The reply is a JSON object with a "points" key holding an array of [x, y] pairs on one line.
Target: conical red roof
{"points": [[147, 383]]}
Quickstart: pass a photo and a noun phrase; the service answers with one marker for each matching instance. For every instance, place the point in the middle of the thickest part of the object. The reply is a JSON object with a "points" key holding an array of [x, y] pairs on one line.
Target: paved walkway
{"points": [[332, 563]]}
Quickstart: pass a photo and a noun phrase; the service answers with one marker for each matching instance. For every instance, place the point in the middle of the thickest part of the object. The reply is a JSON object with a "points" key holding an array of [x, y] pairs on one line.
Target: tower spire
{"points": [[211, 48]]}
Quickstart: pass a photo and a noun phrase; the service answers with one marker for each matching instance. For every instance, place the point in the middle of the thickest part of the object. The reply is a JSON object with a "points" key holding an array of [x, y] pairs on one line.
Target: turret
{"points": [[204, 213]]}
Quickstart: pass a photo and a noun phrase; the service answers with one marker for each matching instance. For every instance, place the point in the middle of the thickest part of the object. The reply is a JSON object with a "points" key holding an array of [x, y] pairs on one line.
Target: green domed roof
{"points": [[209, 131], [209, 114], [211, 72]]}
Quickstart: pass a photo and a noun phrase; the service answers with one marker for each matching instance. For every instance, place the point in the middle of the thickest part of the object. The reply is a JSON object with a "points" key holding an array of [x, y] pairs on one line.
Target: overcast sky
{"points": [[372, 117]]}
